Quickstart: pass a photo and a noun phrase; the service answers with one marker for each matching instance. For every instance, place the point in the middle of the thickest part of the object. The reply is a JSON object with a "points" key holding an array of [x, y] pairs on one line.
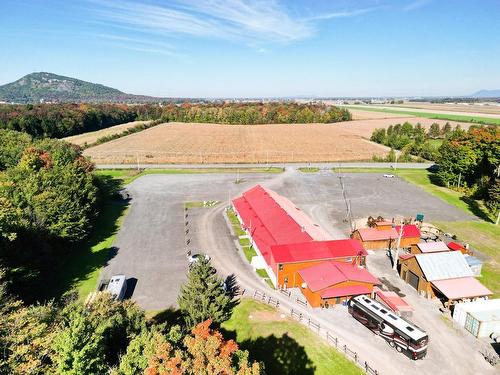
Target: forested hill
{"points": [[50, 87]]}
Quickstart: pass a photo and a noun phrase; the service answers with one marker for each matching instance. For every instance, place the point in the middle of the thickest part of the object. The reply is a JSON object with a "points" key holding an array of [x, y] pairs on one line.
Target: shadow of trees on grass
{"points": [[280, 355], [78, 261]]}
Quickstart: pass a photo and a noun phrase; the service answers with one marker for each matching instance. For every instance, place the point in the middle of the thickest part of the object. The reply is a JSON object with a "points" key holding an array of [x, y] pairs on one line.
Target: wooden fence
{"points": [[316, 327]]}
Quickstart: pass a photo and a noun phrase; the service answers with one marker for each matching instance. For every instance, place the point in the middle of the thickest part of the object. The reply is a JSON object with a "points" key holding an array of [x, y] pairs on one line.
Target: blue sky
{"points": [[243, 48]]}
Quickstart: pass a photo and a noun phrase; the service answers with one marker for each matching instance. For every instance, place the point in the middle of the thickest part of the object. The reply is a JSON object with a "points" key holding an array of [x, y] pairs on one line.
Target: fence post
{"points": [[355, 357], [345, 349]]}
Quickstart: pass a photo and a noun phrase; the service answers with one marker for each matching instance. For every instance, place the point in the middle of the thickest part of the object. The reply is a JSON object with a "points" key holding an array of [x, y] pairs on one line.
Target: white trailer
{"points": [[481, 318]]}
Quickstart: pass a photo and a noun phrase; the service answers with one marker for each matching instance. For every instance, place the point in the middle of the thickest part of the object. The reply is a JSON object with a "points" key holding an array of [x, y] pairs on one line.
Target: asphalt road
{"points": [[293, 165]]}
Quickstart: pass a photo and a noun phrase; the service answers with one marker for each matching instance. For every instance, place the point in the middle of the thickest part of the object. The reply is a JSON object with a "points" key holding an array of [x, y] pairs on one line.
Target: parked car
{"points": [[389, 175], [196, 257]]}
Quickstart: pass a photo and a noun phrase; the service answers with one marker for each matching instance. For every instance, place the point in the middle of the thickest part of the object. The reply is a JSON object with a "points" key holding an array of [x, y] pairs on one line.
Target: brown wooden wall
{"points": [[290, 270], [411, 264], [314, 298]]}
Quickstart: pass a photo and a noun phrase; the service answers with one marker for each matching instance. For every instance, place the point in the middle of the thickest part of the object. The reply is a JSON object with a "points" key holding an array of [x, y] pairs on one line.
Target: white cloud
{"points": [[416, 5], [257, 21]]}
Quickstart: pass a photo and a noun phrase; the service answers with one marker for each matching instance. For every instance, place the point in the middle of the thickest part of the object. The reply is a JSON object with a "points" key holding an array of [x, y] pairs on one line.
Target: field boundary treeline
{"points": [[63, 120], [435, 116], [132, 130]]}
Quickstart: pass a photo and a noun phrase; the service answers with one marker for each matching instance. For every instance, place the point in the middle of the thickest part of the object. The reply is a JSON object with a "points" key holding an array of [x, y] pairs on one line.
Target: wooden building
{"points": [[330, 283], [383, 239], [445, 275], [429, 247], [287, 260]]}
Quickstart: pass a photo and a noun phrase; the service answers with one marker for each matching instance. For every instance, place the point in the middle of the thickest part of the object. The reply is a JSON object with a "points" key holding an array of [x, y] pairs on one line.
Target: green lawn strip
{"points": [[484, 237], [309, 169], [81, 270], [436, 116], [200, 204], [129, 175], [249, 252], [285, 346], [262, 273]]}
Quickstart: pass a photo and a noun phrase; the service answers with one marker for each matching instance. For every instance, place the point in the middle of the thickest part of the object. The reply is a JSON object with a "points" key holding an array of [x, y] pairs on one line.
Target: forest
{"points": [[62, 120], [49, 199]]}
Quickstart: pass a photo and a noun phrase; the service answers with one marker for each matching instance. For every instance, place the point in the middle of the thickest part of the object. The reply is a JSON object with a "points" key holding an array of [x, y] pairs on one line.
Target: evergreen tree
{"points": [[202, 296]]}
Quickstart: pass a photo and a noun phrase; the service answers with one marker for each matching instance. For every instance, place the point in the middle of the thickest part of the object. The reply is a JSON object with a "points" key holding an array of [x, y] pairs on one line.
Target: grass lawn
{"points": [[129, 175], [309, 169], [284, 345], [437, 116], [81, 270]]}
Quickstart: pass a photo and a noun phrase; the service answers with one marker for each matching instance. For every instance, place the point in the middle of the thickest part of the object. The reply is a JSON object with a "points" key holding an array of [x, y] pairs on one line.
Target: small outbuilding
{"points": [[383, 239], [393, 302], [445, 275], [429, 247], [330, 283], [475, 264], [481, 318]]}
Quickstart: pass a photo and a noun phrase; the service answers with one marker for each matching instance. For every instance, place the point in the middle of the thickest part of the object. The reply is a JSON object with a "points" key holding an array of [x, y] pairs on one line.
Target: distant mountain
{"points": [[487, 94], [49, 87]]}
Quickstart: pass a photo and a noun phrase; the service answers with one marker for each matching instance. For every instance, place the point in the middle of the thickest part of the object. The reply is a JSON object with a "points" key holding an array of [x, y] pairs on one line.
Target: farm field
{"points": [[433, 114], [490, 109], [91, 137], [277, 143]]}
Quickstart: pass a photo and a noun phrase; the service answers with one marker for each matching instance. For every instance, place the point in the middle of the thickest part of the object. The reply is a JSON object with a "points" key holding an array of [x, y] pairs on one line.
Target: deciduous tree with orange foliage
{"points": [[205, 352]]}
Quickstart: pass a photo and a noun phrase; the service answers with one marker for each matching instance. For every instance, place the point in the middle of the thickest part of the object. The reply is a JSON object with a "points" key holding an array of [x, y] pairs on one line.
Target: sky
{"points": [[258, 48]]}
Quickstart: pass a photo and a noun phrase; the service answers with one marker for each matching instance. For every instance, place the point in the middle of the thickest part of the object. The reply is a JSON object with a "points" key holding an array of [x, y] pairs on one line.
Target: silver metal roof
{"points": [[441, 266]]}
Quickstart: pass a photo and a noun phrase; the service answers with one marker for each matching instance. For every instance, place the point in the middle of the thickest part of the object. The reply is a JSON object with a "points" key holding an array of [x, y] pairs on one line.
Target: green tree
{"points": [[434, 130], [202, 296], [79, 346]]}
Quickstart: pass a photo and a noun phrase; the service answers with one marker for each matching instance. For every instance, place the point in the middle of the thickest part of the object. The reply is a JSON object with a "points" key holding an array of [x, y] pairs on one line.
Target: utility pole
{"points": [[396, 257], [459, 178], [498, 218]]}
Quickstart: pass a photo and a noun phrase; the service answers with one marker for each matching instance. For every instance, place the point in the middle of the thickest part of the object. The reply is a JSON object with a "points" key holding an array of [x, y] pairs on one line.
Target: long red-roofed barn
{"points": [[287, 240]]}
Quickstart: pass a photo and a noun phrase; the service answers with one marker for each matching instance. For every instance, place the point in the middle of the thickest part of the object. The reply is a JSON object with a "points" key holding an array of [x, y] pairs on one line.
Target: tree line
{"points": [[413, 139], [49, 199], [62, 120], [470, 162], [105, 336]]}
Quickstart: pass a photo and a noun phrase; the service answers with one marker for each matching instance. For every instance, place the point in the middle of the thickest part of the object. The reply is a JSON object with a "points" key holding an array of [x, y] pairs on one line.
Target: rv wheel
{"points": [[391, 344], [399, 349]]}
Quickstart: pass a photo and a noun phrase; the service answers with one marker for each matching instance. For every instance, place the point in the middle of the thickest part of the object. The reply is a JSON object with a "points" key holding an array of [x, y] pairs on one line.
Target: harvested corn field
{"points": [[91, 137], [213, 143], [210, 143]]}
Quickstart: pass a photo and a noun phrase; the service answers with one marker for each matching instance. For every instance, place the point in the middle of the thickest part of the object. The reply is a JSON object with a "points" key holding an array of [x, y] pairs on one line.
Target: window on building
{"points": [[286, 280], [280, 267]]}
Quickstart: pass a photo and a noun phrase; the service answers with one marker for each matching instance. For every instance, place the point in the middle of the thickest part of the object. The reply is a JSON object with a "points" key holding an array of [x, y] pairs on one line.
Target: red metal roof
{"points": [[374, 234], [351, 290], [391, 299], [455, 246], [329, 273], [269, 224], [317, 250], [463, 287], [406, 256], [409, 231]]}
